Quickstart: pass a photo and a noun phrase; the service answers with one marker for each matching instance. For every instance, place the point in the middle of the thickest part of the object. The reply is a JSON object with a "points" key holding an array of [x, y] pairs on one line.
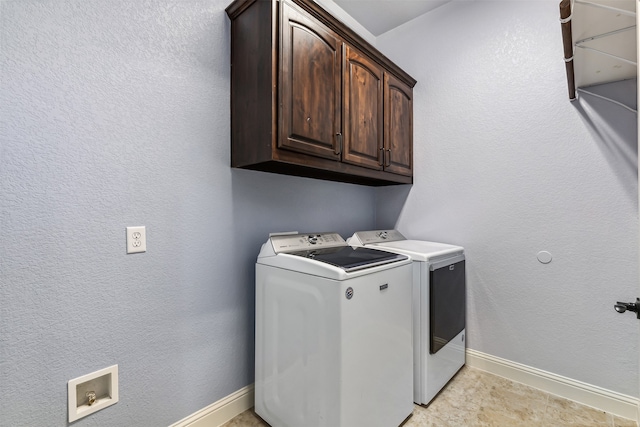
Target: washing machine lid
{"points": [[392, 240], [351, 259], [325, 255]]}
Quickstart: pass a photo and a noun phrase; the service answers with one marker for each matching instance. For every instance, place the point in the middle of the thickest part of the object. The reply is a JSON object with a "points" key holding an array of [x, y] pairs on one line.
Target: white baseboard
{"points": [[221, 411], [609, 401], [586, 394]]}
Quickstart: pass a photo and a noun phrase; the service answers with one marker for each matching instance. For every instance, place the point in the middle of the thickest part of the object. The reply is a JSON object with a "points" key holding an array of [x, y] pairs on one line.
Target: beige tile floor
{"points": [[478, 399]]}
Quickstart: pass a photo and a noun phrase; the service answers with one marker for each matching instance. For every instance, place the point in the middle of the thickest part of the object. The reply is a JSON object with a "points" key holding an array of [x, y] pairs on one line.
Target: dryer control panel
{"points": [[378, 236], [300, 242]]}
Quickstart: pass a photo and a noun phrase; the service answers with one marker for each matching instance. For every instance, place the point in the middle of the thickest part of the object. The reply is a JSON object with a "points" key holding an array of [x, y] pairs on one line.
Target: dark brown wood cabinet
{"points": [[398, 133], [309, 97], [311, 118], [363, 105]]}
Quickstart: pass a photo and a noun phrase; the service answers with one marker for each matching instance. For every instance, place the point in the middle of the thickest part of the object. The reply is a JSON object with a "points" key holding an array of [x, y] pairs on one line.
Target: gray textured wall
{"points": [[506, 166], [115, 113]]}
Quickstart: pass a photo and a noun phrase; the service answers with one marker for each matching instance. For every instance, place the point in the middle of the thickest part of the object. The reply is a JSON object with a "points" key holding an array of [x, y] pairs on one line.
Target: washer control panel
{"points": [[300, 242], [378, 236]]}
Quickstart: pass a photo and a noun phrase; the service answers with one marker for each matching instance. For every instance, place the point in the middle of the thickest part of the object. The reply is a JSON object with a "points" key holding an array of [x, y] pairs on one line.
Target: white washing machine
{"points": [[333, 333], [439, 303]]}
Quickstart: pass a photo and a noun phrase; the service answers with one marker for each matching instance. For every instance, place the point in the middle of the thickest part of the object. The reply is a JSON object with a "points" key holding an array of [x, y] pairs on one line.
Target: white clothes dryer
{"points": [[333, 333], [439, 303]]}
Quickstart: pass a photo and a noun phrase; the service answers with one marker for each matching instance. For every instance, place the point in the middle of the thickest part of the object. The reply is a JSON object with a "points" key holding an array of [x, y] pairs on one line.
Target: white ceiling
{"points": [[380, 16]]}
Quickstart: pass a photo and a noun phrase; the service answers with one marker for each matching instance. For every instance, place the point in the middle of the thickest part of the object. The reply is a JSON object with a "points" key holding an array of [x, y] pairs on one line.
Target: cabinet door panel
{"points": [[398, 143], [310, 89], [363, 111]]}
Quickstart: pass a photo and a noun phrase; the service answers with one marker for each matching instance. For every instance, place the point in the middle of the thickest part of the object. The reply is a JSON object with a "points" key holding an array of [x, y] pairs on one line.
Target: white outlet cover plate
{"points": [[136, 239], [78, 411]]}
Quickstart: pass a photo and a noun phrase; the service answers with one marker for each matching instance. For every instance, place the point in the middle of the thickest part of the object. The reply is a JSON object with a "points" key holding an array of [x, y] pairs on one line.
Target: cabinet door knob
{"points": [[381, 157], [388, 158]]}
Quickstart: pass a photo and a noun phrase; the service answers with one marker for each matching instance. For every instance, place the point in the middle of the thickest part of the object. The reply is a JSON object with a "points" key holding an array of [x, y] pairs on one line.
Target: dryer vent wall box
{"points": [[439, 286], [346, 312]]}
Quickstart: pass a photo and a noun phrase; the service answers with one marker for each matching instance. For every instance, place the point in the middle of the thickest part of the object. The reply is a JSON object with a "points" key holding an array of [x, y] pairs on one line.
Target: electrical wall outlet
{"points": [[136, 239]]}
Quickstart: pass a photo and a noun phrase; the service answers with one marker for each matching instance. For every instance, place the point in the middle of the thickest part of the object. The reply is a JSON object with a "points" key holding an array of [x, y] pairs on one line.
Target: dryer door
{"points": [[446, 302]]}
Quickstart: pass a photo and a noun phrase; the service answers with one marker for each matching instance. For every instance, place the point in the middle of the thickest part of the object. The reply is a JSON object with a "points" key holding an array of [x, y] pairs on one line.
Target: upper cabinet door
{"points": [[398, 118], [310, 86], [363, 86]]}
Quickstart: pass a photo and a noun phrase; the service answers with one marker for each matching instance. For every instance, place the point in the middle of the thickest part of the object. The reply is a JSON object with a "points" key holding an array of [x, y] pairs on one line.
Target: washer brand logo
{"points": [[451, 267], [383, 287], [349, 292]]}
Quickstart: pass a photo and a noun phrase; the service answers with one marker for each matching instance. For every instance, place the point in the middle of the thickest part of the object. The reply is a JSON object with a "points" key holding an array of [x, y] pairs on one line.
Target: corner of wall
{"points": [[343, 16]]}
